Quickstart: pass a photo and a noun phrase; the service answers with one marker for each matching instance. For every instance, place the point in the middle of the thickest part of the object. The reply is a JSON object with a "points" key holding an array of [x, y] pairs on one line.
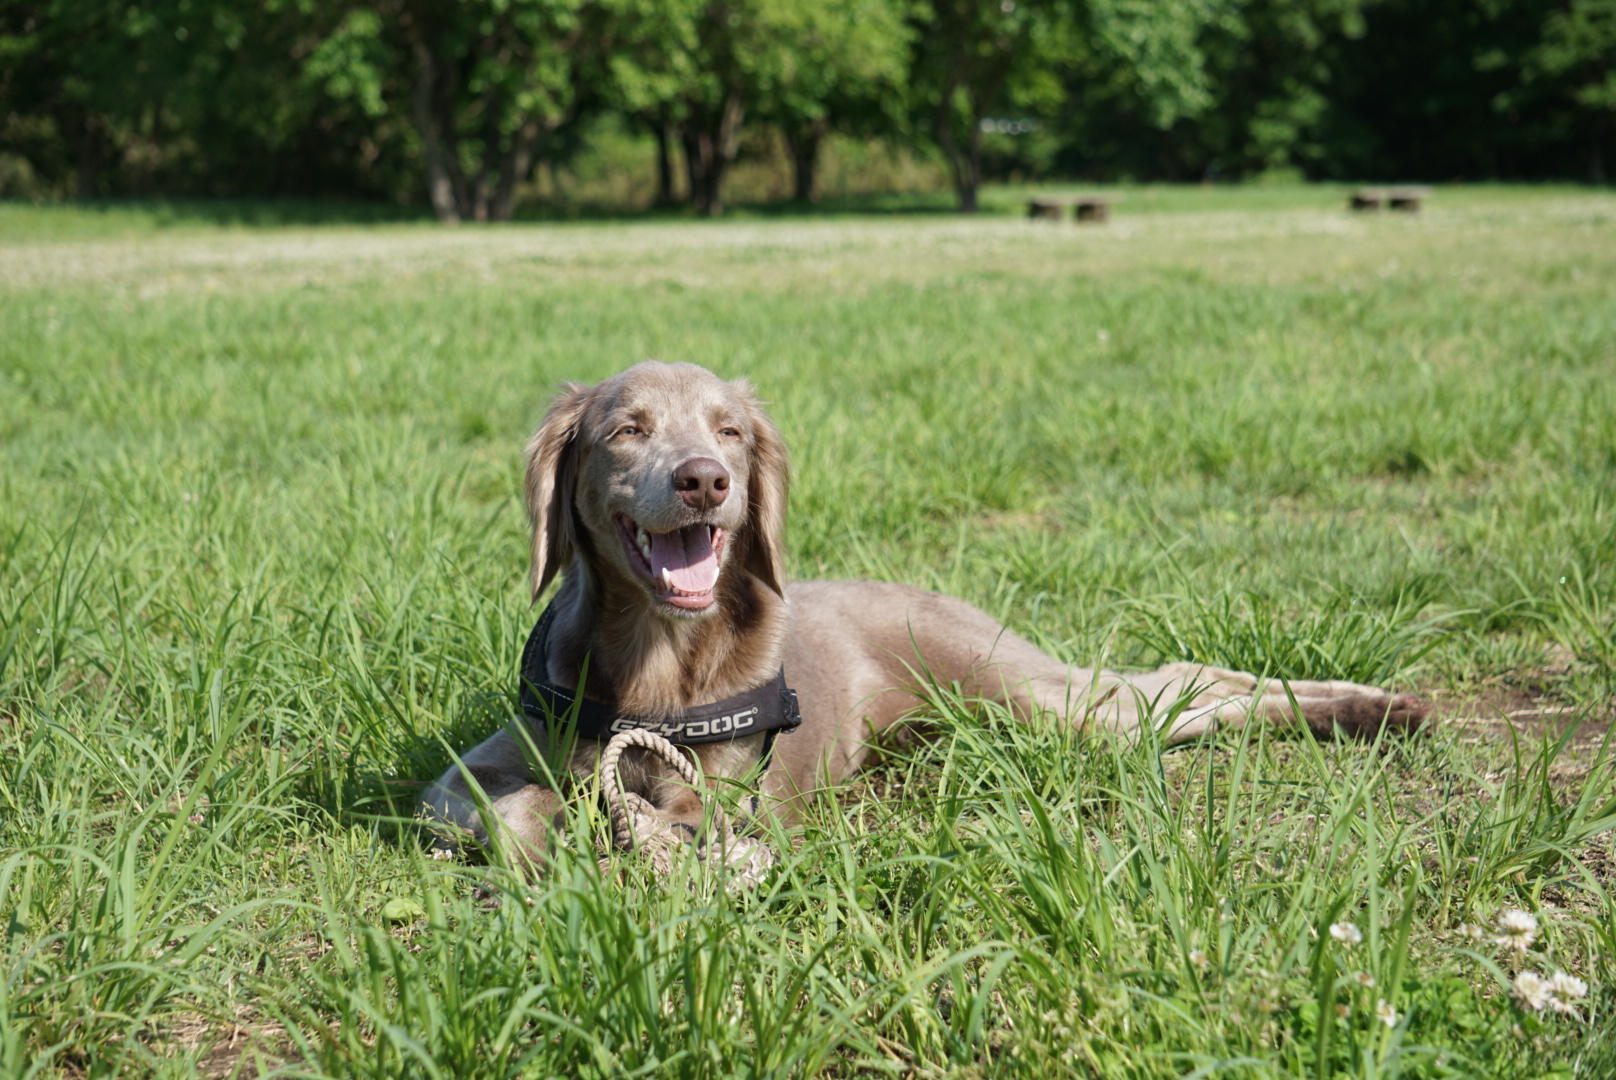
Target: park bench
{"points": [[1092, 209], [1406, 199], [1045, 208]]}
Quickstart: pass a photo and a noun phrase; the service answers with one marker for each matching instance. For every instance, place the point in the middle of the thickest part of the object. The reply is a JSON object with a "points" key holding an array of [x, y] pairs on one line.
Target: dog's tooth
{"points": [[642, 539], [667, 580]]}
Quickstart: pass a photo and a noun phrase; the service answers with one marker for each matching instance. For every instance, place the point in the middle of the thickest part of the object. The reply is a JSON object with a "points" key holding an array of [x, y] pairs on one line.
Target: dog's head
{"points": [[666, 478]]}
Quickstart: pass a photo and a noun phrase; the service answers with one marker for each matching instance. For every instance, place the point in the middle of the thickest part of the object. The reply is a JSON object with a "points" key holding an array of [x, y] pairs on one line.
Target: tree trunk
{"points": [[710, 143], [502, 156], [695, 174], [86, 154], [729, 143], [514, 169], [804, 146], [712, 188], [665, 196], [440, 186], [973, 168], [964, 163]]}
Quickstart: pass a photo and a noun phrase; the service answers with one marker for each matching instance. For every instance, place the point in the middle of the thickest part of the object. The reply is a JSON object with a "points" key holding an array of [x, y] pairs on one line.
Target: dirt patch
{"points": [[1529, 721], [1527, 708], [247, 1046]]}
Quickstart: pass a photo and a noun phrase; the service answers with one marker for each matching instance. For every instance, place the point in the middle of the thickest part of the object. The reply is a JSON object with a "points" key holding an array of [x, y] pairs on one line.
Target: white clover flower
{"points": [[1517, 929], [1564, 991], [1385, 1013], [1346, 933], [1472, 932], [1363, 978], [1198, 958], [1516, 921], [1531, 990]]}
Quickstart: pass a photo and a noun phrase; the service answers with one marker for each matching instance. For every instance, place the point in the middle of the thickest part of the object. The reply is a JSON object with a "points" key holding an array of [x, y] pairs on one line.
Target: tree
{"points": [[1578, 50], [973, 57], [722, 55], [156, 95], [1443, 89], [1272, 63], [483, 82], [844, 69], [696, 70]]}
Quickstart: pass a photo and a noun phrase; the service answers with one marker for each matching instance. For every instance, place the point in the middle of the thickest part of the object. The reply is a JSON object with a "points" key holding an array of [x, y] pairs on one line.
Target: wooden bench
{"points": [[1052, 209], [1092, 208], [1086, 209], [1406, 199]]}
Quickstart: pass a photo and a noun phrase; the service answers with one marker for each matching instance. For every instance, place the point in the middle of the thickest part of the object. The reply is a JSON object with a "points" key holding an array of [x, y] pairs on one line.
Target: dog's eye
{"points": [[629, 429], [729, 433]]}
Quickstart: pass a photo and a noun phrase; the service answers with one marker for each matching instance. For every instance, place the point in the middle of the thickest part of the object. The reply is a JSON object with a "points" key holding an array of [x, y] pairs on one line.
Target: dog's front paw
{"points": [[747, 859]]}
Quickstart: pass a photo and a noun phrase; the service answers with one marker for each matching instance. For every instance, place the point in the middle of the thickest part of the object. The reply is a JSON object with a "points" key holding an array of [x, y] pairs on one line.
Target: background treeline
{"points": [[463, 104]]}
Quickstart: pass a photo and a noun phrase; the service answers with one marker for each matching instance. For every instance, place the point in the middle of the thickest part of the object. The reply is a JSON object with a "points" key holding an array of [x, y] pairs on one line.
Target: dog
{"points": [[660, 496]]}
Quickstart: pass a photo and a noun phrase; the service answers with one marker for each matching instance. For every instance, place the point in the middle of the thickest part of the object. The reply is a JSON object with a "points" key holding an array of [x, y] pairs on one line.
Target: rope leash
{"points": [[624, 806], [632, 814]]}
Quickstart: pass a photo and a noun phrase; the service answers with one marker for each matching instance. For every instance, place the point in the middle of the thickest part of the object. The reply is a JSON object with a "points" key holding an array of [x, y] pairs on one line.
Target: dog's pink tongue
{"points": [[688, 557]]}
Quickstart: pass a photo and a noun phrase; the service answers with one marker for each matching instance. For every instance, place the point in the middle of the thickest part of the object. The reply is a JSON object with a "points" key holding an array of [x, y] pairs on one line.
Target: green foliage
{"points": [[459, 106], [1575, 59], [976, 57], [352, 62], [698, 69], [483, 84], [1272, 64], [1579, 41]]}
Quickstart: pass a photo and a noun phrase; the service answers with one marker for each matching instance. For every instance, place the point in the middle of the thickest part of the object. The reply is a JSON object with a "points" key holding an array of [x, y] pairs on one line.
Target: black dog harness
{"points": [[770, 710]]}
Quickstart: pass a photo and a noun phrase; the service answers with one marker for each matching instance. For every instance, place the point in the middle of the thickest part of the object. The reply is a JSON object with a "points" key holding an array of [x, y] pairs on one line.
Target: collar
{"points": [[770, 709]]}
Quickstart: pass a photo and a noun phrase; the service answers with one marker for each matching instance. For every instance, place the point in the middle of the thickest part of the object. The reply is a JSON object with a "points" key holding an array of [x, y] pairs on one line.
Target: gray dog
{"points": [[662, 494]]}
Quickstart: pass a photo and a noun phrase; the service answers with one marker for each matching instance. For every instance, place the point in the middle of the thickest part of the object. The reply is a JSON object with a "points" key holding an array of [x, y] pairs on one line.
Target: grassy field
{"points": [[262, 566]]}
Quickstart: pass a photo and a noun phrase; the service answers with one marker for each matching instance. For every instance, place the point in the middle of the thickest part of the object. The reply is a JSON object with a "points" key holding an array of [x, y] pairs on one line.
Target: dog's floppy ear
{"points": [[765, 495], [552, 466]]}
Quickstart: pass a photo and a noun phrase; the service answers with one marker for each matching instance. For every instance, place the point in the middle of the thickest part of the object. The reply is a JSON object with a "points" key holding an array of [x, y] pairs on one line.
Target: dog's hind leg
{"points": [[947, 641], [1188, 700], [864, 654], [905, 638]]}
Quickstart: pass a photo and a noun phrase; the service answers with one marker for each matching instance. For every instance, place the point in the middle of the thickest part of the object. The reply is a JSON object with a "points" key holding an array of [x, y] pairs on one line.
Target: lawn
{"points": [[262, 567]]}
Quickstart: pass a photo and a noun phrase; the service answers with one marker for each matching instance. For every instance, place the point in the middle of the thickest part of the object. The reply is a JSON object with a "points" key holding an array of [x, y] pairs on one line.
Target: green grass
{"points": [[261, 568]]}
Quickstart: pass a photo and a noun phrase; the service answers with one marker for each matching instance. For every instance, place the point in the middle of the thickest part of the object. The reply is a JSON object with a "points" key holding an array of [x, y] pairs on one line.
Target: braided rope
{"points": [[624, 806]]}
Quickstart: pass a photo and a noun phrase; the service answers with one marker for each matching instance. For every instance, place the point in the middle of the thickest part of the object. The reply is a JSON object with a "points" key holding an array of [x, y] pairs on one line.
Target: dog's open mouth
{"points": [[680, 566]]}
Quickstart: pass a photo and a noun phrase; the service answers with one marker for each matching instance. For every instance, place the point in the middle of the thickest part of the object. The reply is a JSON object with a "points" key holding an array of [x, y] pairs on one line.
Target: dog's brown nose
{"points": [[701, 482]]}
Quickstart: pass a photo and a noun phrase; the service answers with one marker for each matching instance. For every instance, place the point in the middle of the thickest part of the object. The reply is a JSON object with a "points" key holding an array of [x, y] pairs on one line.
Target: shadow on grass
{"points": [[380, 787], [102, 216], [229, 212]]}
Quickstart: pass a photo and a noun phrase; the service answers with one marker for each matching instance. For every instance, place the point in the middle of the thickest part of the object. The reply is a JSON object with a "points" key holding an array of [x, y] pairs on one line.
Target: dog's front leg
{"points": [[490, 799], [526, 819]]}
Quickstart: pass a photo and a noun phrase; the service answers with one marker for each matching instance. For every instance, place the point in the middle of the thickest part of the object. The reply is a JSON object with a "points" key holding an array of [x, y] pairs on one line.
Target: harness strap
{"points": [[768, 710]]}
